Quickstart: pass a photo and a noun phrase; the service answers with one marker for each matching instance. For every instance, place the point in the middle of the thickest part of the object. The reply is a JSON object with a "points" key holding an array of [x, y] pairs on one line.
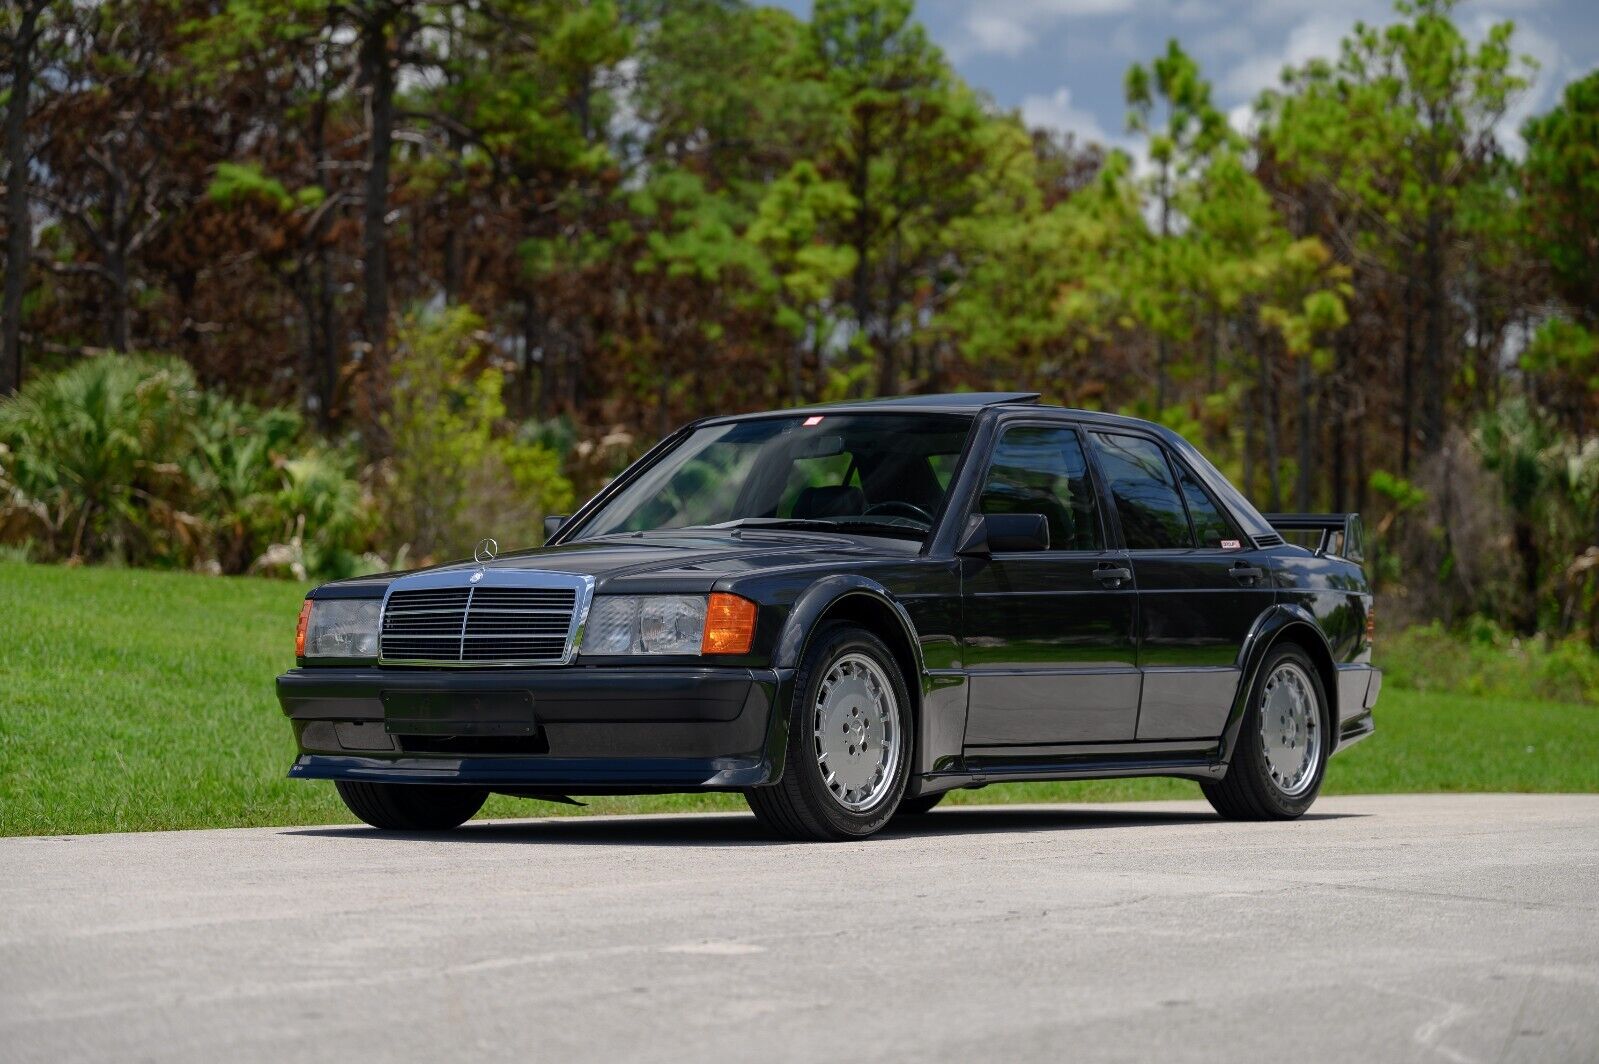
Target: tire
{"points": [[411, 806], [920, 806], [1274, 773], [849, 678]]}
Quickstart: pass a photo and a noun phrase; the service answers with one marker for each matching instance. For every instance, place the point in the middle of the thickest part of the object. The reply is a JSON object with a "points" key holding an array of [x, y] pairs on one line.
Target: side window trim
{"points": [[1108, 545]]}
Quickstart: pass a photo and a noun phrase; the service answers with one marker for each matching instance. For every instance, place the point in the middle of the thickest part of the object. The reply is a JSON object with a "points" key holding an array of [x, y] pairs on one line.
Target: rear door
{"points": [[1201, 585], [1048, 635]]}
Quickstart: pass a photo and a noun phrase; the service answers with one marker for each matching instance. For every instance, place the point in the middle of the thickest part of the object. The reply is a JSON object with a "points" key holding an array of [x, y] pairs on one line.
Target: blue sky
{"points": [[1062, 61]]}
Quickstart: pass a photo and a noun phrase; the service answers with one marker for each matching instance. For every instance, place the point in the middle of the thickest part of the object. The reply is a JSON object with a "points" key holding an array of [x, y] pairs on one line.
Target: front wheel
{"points": [[411, 806], [1281, 754], [849, 742]]}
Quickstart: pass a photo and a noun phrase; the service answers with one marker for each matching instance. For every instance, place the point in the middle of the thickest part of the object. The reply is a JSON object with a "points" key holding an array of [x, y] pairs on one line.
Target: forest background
{"points": [[308, 288]]}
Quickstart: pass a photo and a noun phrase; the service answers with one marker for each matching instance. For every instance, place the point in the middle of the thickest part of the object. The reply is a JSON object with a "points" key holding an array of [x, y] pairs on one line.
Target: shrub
{"points": [[93, 461], [127, 460], [1482, 658], [455, 475]]}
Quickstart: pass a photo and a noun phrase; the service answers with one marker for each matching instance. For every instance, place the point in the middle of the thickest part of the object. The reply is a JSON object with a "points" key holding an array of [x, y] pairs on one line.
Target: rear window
{"points": [[1147, 499]]}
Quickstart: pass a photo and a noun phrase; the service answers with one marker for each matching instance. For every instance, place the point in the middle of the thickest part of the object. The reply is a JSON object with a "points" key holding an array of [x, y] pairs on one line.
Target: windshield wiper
{"points": [[819, 524]]}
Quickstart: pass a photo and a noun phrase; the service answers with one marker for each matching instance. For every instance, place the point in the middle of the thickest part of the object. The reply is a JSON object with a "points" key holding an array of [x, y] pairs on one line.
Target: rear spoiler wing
{"points": [[1341, 534]]}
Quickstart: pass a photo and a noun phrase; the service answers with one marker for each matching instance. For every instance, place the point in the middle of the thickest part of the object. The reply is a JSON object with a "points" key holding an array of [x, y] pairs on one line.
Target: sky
{"points": [[1062, 61]]}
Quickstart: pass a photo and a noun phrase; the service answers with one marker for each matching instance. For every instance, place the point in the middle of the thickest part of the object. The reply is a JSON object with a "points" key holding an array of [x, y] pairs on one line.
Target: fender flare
{"points": [[795, 637], [1269, 627], [822, 596]]}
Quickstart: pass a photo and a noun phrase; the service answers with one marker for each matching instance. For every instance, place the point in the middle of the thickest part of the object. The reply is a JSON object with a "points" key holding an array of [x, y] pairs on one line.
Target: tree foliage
{"points": [[441, 228]]}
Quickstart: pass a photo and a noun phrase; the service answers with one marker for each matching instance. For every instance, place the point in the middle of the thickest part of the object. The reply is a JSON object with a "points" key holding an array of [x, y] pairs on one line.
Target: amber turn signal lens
{"points": [[299, 633], [729, 625]]}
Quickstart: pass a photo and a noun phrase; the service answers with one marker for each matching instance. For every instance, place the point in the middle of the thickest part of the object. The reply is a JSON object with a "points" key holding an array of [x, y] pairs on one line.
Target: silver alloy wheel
{"points": [[858, 745], [1290, 729]]}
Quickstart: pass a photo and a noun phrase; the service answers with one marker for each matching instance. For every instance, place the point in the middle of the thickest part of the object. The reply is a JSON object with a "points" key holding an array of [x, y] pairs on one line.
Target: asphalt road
{"points": [[1454, 928]]}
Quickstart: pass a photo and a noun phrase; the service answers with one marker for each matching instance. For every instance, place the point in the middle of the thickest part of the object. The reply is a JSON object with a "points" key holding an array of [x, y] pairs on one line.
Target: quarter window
{"points": [[1038, 469], [1146, 495], [1211, 526]]}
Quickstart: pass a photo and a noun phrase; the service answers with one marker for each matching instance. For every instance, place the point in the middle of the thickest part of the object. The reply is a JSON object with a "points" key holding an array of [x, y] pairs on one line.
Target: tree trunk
{"points": [[1268, 417], [1407, 375], [1249, 430], [888, 358], [19, 223], [320, 303], [378, 73], [861, 296], [1434, 381], [530, 402], [1302, 493], [1339, 409], [117, 310]]}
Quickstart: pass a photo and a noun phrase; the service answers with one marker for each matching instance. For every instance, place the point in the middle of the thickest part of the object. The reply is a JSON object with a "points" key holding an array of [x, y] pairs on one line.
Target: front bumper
{"points": [[591, 730]]}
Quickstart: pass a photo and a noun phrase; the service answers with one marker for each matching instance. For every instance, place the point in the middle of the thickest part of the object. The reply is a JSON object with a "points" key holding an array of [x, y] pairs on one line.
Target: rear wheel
{"points": [[848, 753], [411, 806], [1281, 755]]}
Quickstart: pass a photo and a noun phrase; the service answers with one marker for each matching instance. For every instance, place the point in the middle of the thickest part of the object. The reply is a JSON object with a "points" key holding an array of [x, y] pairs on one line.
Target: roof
{"points": [[961, 401]]}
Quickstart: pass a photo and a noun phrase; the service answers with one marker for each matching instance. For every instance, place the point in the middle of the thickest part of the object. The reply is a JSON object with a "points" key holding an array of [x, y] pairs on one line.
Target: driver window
{"points": [[1039, 469]]}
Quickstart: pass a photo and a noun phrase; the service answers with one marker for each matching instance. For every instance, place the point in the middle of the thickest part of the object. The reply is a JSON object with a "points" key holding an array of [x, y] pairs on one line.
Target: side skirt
{"points": [[980, 766]]}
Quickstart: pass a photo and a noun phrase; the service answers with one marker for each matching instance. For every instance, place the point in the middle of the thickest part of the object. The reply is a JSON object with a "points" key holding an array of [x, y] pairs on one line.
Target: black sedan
{"points": [[843, 612]]}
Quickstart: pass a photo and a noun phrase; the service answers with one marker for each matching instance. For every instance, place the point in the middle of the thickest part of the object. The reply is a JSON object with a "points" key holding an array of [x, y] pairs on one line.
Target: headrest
{"points": [[829, 502]]}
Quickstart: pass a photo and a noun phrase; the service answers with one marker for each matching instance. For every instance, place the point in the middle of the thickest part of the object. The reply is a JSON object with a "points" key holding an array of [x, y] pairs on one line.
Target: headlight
{"points": [[338, 628], [645, 624], [669, 624]]}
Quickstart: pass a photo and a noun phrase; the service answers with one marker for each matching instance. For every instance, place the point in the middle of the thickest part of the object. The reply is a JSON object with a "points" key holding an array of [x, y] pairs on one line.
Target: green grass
{"points": [[137, 700]]}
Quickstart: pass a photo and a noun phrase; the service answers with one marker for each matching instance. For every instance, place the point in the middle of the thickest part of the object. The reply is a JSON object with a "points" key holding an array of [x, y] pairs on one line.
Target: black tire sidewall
{"points": [[1253, 759], [832, 642]]}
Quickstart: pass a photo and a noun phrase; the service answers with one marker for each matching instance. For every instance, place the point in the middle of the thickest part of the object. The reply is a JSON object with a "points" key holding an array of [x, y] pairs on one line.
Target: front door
{"points": [[1048, 635], [1201, 585]]}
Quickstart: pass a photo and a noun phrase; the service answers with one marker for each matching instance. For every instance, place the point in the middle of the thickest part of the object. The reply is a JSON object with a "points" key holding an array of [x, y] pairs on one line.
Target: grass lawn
{"points": [[135, 700]]}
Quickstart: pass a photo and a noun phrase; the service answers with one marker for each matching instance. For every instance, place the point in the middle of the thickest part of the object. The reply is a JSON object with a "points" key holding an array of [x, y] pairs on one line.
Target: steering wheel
{"points": [[896, 508]]}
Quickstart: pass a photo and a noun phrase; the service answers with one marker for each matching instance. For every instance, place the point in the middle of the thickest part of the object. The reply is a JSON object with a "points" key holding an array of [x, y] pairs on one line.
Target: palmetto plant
{"points": [[235, 467], [94, 464], [129, 460]]}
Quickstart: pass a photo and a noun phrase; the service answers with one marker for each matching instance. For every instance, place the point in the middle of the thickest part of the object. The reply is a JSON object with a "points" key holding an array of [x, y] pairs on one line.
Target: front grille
{"points": [[509, 618]]}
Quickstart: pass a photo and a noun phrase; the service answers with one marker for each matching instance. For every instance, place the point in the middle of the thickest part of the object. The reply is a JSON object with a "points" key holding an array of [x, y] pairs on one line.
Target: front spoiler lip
{"points": [[555, 773]]}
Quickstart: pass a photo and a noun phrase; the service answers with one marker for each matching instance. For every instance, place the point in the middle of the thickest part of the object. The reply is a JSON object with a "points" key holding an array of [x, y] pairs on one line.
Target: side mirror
{"points": [[1004, 534], [552, 525]]}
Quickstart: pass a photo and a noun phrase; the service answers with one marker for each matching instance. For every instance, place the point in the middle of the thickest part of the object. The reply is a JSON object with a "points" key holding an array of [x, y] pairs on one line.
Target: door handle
{"points": [[1245, 572], [1113, 574]]}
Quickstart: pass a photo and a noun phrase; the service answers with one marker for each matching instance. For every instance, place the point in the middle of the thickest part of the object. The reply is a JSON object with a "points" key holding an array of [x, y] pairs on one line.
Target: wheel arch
{"points": [[865, 602], [1282, 623]]}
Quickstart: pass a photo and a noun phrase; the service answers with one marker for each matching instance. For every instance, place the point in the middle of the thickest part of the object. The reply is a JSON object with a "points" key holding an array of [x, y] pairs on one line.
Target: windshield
{"points": [[849, 472]]}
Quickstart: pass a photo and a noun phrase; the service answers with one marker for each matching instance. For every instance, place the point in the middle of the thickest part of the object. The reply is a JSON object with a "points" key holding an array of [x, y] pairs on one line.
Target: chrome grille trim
{"points": [[482, 618]]}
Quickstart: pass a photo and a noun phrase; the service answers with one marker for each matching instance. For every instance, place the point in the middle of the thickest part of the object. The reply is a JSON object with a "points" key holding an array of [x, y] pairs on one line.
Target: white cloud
{"points": [[1321, 33], [1009, 27], [1242, 118], [1056, 111], [1555, 69], [1317, 36], [996, 35]]}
